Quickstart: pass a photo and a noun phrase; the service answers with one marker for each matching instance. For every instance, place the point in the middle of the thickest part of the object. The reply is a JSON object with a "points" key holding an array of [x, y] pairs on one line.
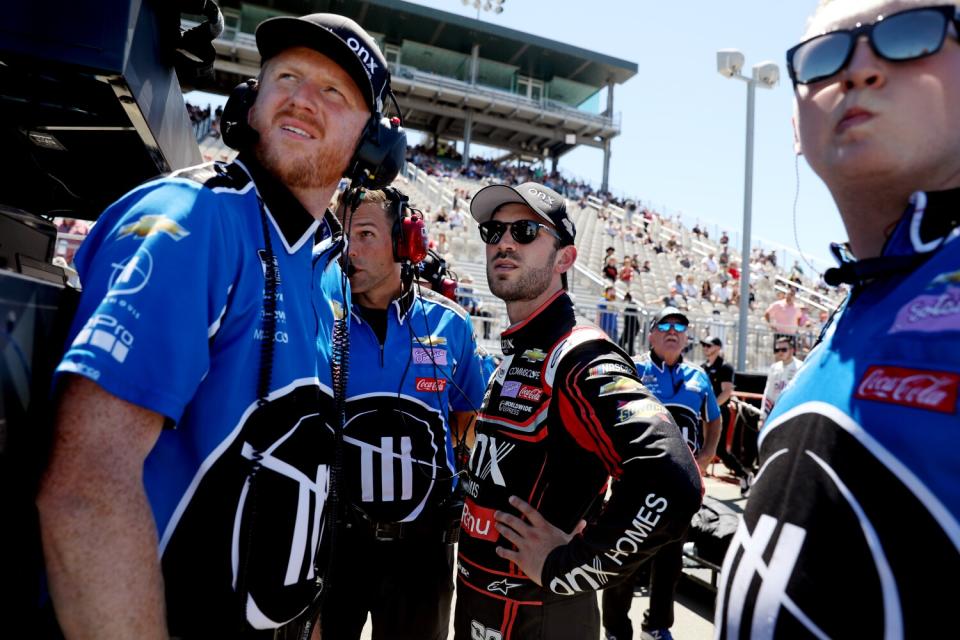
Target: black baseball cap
{"points": [[669, 312], [712, 341], [544, 201], [337, 37]]}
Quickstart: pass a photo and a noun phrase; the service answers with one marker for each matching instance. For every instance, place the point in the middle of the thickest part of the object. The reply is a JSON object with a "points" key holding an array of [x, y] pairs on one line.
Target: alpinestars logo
{"points": [[502, 586]]}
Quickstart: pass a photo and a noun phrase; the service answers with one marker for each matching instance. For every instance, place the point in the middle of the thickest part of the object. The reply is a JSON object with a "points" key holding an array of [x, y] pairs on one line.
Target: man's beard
{"points": [[529, 286], [324, 168]]}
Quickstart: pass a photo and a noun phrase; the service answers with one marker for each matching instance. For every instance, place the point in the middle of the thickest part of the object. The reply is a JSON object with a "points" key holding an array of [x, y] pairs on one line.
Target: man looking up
{"points": [[563, 414], [187, 486], [870, 420], [414, 389], [685, 390]]}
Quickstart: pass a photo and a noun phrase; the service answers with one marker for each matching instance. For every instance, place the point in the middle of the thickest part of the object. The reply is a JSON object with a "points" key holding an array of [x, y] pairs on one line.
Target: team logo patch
{"points": [[429, 356], [502, 586], [950, 277], [620, 384], [131, 275], [430, 341], [149, 225], [510, 389], [534, 355], [530, 393], [477, 522], [429, 385], [640, 410], [917, 388], [609, 369], [931, 313]]}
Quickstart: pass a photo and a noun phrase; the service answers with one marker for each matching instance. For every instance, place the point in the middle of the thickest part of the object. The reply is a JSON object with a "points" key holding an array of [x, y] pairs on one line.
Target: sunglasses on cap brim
{"points": [[900, 37], [522, 231]]}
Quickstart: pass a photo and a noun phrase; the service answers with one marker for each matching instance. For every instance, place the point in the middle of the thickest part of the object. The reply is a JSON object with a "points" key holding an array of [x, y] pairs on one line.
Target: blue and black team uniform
{"points": [[854, 522], [686, 391], [171, 319], [411, 365]]}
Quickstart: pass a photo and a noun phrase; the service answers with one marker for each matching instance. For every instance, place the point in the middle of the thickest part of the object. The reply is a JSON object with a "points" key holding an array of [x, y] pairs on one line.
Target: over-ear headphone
{"points": [[434, 270], [409, 233], [377, 158]]}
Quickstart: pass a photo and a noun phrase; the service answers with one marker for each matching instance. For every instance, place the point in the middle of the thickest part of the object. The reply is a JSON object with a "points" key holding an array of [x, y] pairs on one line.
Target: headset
{"points": [[409, 233], [377, 159], [434, 270]]}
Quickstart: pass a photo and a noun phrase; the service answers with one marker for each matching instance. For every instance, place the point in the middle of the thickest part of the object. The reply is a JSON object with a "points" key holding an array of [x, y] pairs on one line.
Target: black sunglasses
{"points": [[522, 231], [907, 35], [781, 349]]}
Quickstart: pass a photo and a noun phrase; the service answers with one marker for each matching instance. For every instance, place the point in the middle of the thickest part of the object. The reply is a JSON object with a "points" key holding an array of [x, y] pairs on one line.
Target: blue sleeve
{"points": [[469, 374], [710, 399], [156, 275]]}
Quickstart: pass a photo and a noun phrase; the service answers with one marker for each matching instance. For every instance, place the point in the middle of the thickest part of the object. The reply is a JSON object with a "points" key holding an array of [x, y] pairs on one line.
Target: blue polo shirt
{"points": [[171, 320], [399, 460], [685, 390]]}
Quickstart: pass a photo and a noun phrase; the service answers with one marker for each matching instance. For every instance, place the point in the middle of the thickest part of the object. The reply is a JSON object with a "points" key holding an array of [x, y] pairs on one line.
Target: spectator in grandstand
{"points": [[442, 216], [686, 391], [690, 290], [710, 264], [724, 259], [722, 377], [607, 312], [610, 271], [734, 270], [685, 261], [206, 329], [403, 334], [672, 244], [724, 240], [780, 374], [658, 248], [722, 293], [696, 230], [870, 419], [631, 324], [567, 413], [626, 272], [706, 291], [646, 266], [783, 316]]}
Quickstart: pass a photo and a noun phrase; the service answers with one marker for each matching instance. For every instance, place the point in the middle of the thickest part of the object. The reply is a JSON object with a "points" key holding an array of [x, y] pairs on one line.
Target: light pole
{"points": [[767, 75], [487, 5]]}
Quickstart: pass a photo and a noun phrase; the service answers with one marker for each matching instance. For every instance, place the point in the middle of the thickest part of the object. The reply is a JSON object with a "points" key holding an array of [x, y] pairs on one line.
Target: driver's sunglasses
{"points": [[679, 327], [899, 37], [781, 350], [522, 231]]}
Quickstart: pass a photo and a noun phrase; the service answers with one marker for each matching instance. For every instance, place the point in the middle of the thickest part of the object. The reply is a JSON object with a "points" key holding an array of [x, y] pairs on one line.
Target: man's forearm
{"points": [[98, 532], [102, 565], [711, 438]]}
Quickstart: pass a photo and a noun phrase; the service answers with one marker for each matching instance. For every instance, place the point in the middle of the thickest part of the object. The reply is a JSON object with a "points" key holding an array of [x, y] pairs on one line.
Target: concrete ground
{"points": [[693, 608]]}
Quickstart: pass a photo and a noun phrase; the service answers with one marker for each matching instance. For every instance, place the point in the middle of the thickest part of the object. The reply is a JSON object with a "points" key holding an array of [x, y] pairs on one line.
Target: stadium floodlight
{"points": [[496, 6], [766, 75]]}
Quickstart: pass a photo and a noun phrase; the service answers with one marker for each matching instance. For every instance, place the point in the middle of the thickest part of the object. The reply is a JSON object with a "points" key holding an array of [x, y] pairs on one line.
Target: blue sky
{"points": [[682, 143]]}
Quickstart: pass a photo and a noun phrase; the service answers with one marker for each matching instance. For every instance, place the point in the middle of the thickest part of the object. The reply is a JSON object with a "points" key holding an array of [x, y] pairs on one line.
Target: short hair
{"points": [[787, 339], [374, 196]]}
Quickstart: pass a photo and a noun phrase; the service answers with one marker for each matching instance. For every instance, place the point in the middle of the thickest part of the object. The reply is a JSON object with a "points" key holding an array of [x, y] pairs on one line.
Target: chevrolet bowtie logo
{"points": [[149, 225]]}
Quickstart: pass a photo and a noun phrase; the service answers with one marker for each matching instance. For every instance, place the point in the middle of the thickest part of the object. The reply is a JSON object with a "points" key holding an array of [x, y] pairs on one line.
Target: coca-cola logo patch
{"points": [[429, 385], [918, 388]]}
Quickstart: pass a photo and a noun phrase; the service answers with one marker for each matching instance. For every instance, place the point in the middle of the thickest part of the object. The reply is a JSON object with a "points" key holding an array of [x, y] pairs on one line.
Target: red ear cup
{"points": [[412, 244]]}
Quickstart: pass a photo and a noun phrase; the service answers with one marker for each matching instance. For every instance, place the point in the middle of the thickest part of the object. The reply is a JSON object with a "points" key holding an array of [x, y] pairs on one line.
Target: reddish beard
{"points": [[322, 168]]}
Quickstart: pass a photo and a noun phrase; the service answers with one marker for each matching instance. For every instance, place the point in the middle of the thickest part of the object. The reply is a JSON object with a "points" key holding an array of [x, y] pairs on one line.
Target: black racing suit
{"points": [[563, 414]]}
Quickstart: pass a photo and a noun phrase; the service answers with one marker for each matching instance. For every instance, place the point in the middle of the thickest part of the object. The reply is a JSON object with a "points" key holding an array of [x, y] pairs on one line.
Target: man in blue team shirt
{"points": [[414, 387], [856, 508], [685, 390], [194, 415]]}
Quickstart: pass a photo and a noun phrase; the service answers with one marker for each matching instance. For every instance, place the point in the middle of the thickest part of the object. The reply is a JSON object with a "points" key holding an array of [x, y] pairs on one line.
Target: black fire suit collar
{"points": [[546, 320]]}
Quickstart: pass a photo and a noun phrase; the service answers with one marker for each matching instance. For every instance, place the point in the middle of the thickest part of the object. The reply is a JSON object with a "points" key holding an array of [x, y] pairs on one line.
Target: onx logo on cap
{"points": [[364, 55], [541, 195]]}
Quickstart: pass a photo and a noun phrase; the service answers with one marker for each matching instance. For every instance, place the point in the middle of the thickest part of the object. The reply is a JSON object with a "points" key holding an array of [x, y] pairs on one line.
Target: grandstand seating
{"points": [[464, 253]]}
